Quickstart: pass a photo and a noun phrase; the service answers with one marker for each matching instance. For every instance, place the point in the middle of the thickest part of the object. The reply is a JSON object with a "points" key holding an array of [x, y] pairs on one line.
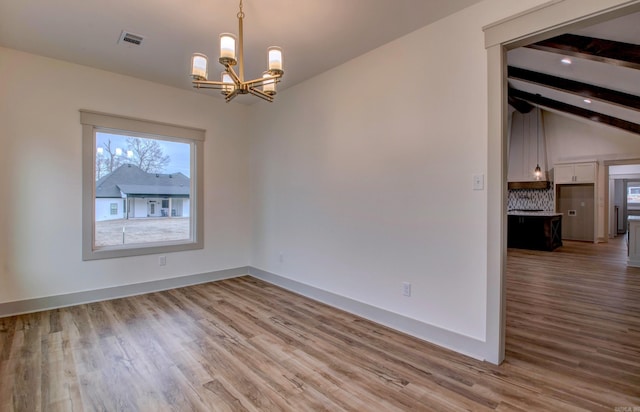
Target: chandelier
{"points": [[231, 83]]}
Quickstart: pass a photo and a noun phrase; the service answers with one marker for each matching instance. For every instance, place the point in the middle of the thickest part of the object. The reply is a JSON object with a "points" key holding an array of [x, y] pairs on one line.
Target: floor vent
{"points": [[130, 38]]}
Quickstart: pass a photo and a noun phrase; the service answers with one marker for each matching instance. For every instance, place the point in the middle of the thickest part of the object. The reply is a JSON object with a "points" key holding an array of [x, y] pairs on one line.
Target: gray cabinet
{"points": [[576, 202], [576, 187]]}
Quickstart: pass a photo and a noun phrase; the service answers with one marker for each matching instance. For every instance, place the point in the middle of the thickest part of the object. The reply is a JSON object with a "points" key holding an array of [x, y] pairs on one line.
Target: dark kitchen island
{"points": [[534, 230]]}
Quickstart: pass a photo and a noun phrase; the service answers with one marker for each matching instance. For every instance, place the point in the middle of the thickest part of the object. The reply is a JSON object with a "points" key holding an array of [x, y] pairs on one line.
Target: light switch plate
{"points": [[478, 182]]}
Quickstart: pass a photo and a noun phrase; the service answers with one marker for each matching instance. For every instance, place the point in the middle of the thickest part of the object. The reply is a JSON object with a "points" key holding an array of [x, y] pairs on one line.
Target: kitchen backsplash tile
{"points": [[531, 199]]}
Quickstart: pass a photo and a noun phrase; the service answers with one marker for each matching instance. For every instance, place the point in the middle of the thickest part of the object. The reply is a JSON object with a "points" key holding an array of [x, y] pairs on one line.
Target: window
{"points": [[633, 194], [155, 171]]}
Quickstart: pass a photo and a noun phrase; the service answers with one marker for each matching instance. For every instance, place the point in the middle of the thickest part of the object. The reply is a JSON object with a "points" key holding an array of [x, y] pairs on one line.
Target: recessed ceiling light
{"points": [[587, 101], [566, 60]]}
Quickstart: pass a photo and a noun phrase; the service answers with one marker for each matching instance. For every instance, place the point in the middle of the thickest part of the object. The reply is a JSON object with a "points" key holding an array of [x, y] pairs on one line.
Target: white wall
{"points": [[139, 207], [103, 208], [186, 207], [362, 176], [570, 139], [40, 137]]}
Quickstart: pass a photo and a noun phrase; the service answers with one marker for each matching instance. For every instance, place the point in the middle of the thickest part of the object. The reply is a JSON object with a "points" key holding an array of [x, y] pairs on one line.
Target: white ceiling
{"points": [[315, 35]]}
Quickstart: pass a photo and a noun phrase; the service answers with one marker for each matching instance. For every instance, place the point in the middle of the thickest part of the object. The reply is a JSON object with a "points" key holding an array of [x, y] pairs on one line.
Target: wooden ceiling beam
{"points": [[538, 100], [607, 51], [519, 104], [626, 100]]}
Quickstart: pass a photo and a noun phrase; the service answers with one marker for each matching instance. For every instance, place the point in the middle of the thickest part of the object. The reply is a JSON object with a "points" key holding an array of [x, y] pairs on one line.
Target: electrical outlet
{"points": [[162, 260], [406, 288], [281, 257]]}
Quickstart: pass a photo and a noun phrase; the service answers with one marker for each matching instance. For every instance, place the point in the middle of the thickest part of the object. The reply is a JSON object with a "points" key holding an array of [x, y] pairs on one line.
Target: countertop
{"points": [[546, 213], [634, 218]]}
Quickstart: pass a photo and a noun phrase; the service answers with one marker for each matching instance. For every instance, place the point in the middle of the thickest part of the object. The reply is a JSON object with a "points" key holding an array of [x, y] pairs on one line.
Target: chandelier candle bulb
{"points": [[199, 66], [226, 78], [275, 58], [269, 86], [228, 48]]}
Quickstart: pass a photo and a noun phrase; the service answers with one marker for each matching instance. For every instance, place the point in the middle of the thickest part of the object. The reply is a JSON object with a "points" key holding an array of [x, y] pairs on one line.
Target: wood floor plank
{"points": [[28, 368], [308, 374], [573, 344]]}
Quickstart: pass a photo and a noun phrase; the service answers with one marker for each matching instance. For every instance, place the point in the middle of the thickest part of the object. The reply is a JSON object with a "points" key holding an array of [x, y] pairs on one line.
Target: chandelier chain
{"points": [[241, 13]]}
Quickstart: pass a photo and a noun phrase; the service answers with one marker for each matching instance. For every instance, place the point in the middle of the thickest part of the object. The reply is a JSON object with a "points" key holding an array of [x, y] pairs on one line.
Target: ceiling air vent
{"points": [[130, 38]]}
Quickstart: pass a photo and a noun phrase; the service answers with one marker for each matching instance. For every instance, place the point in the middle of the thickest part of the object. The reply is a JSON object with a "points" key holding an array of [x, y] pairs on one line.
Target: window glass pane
{"points": [[151, 178], [633, 194]]}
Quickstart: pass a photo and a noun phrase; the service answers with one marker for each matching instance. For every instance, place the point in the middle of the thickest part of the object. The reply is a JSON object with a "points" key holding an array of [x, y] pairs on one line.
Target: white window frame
{"points": [[95, 121]]}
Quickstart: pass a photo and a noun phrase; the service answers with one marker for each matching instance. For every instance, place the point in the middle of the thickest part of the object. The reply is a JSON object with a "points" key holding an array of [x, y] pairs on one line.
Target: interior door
{"points": [[576, 203]]}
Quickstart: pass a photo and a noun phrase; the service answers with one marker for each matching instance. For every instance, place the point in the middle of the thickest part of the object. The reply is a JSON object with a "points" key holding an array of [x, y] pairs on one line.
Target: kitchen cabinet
{"points": [[575, 173], [536, 231], [578, 205], [581, 212]]}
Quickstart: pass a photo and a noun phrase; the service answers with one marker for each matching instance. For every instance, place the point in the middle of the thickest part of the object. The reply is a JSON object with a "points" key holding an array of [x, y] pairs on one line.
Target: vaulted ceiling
{"points": [[593, 73]]}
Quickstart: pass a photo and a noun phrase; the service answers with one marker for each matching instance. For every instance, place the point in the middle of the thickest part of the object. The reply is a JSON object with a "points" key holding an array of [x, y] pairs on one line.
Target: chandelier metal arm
{"points": [[209, 84], [234, 76], [231, 95], [261, 80], [260, 94], [213, 84]]}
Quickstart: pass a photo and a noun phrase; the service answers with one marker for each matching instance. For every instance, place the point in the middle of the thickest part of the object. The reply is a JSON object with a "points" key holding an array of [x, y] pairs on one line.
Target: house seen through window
{"points": [[150, 178]]}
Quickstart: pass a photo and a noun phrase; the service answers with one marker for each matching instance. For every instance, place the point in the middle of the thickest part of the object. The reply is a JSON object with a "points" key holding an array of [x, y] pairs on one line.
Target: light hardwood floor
{"points": [[573, 343]]}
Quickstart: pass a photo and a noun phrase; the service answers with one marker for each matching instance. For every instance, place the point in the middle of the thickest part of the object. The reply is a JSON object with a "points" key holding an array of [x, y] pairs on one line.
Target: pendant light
{"points": [[537, 172]]}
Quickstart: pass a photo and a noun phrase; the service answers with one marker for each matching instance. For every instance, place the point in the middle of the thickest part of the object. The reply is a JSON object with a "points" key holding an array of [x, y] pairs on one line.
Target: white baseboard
{"points": [[441, 337], [77, 298]]}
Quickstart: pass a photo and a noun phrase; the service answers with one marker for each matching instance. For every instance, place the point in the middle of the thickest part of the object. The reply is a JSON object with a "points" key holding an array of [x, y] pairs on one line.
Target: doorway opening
{"points": [[622, 192], [497, 147]]}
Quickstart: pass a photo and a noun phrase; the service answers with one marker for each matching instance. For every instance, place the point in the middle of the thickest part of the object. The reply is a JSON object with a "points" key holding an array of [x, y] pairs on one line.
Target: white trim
{"points": [[118, 122], [496, 206], [91, 121], [607, 179], [518, 15], [441, 337], [525, 28], [78, 298]]}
